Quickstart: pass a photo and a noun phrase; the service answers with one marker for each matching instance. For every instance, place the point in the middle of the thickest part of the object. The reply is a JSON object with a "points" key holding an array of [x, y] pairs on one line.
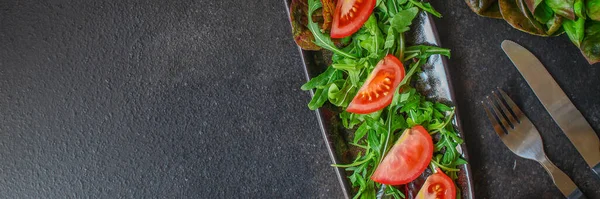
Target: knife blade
{"points": [[556, 102]]}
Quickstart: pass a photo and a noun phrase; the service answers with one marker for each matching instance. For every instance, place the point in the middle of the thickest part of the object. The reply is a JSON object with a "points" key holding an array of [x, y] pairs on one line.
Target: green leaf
{"points": [[302, 35], [404, 97], [543, 13], [360, 132], [423, 51], [342, 97], [459, 161], [403, 19], [390, 40], [382, 7], [590, 46], [427, 7], [319, 81], [563, 8], [512, 11], [398, 123], [437, 115], [373, 141], [321, 39], [450, 154], [345, 117], [593, 9], [392, 7], [413, 69], [579, 8], [370, 37], [369, 192], [358, 162], [447, 121], [334, 90], [362, 184], [442, 107], [554, 25], [393, 191], [435, 124], [318, 99], [487, 8], [533, 4], [349, 120], [575, 30]]}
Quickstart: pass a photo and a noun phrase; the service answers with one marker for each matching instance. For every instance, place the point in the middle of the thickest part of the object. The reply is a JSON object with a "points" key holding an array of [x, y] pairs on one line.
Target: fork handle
{"points": [[561, 180]]}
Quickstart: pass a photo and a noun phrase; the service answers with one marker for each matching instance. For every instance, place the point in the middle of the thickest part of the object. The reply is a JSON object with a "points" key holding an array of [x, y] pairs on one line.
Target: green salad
{"points": [[400, 136]]}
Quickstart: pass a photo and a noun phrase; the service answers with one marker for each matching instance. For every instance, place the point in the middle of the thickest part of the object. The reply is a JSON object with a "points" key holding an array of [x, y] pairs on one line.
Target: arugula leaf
{"points": [[319, 81], [390, 40], [321, 39], [382, 7], [318, 99], [442, 107], [460, 161], [392, 8], [413, 68], [360, 132], [353, 70], [426, 7], [423, 51], [341, 97], [397, 194], [370, 37], [403, 19]]}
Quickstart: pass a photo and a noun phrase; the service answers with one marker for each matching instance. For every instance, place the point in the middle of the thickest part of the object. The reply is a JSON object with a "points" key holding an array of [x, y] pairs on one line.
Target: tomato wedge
{"points": [[438, 186], [377, 91], [407, 159], [349, 16]]}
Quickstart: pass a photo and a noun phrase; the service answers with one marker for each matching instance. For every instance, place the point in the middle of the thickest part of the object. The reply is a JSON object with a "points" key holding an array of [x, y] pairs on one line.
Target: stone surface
{"points": [[201, 99], [479, 65]]}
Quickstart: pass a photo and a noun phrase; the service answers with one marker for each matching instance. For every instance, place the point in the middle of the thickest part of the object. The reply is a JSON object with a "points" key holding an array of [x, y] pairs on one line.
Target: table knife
{"points": [[556, 102]]}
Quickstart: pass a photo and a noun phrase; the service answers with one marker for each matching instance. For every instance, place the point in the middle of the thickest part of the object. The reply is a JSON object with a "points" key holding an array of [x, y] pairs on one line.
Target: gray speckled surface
{"points": [[201, 99], [478, 65], [166, 99]]}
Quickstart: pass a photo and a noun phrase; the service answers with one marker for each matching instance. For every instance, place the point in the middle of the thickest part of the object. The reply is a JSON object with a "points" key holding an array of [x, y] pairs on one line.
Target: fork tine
{"points": [[503, 121], [493, 120], [511, 104], [507, 113]]}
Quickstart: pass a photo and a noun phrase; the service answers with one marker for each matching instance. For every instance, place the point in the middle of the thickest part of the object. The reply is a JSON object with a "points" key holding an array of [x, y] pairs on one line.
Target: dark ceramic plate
{"points": [[433, 82]]}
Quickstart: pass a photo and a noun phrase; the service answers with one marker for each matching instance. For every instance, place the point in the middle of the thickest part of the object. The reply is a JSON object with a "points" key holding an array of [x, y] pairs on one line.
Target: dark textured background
{"points": [[201, 99]]}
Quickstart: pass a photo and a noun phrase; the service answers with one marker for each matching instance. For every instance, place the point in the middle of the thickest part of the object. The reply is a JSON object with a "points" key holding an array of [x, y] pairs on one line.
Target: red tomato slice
{"points": [[438, 186], [377, 91], [407, 159], [349, 16]]}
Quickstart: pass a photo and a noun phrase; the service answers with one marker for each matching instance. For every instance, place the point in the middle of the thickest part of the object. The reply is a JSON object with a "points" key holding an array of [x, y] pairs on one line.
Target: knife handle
{"points": [[576, 195], [596, 169]]}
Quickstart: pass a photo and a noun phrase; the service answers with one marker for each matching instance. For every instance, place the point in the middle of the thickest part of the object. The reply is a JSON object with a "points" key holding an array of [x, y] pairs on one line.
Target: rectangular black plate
{"points": [[433, 82]]}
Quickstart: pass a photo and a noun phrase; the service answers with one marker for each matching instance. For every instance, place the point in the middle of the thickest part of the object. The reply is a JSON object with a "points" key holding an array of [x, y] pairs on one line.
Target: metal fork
{"points": [[522, 138]]}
